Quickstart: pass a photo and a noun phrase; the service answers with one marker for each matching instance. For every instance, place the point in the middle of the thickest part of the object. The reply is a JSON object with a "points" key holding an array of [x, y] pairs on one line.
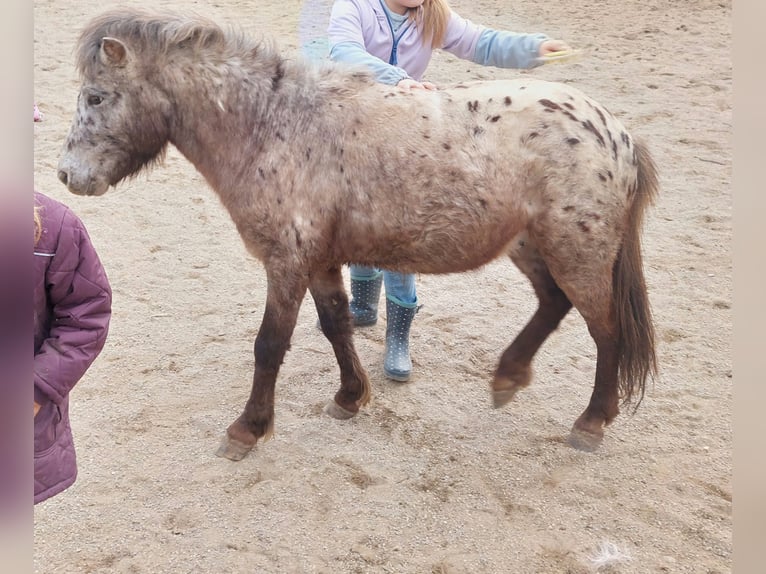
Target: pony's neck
{"points": [[217, 103]]}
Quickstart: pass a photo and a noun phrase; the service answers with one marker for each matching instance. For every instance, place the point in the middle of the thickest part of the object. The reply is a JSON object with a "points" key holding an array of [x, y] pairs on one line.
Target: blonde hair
{"points": [[432, 17], [38, 224]]}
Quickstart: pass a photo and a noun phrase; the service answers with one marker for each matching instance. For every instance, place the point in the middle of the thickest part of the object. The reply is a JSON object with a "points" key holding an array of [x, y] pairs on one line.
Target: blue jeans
{"points": [[400, 287]]}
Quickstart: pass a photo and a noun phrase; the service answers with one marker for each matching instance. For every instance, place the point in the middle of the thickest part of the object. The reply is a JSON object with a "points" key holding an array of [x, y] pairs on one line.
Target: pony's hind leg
{"points": [[588, 430], [585, 277], [283, 301], [514, 370], [332, 307]]}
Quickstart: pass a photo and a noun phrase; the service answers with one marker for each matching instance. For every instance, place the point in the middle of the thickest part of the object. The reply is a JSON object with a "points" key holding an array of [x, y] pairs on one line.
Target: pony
{"points": [[320, 166]]}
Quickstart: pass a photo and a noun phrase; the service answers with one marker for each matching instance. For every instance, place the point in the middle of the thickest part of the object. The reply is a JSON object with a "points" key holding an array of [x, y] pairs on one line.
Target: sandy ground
{"points": [[428, 477]]}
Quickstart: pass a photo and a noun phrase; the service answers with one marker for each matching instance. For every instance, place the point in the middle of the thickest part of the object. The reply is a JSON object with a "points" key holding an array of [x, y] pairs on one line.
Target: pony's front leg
{"points": [[280, 315], [332, 306]]}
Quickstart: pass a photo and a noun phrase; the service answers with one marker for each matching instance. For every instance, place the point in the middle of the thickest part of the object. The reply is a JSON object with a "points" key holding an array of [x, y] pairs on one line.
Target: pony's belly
{"points": [[441, 256]]}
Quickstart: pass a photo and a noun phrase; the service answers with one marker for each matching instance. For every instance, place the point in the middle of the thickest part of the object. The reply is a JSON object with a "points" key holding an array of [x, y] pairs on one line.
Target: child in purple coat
{"points": [[72, 307]]}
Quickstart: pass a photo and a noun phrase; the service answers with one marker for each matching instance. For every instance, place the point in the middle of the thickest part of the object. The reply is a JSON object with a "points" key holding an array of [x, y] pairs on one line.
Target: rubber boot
{"points": [[397, 364], [365, 294]]}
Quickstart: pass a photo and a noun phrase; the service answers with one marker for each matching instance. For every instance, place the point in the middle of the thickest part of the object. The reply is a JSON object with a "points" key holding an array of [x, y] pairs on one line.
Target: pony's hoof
{"points": [[584, 440], [502, 398], [233, 449], [338, 412]]}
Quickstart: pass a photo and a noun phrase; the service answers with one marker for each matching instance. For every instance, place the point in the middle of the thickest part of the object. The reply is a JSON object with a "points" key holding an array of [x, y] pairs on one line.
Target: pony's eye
{"points": [[94, 100]]}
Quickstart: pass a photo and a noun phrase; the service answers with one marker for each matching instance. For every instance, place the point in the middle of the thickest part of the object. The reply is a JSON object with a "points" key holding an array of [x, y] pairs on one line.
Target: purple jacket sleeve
{"points": [[79, 300]]}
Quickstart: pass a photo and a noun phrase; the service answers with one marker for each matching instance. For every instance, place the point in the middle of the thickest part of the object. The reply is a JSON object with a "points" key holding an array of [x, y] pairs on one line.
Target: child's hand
{"points": [[37, 408], [549, 46], [410, 84]]}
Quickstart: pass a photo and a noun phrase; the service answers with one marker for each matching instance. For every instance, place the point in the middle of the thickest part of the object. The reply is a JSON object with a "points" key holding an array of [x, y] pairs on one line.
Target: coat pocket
{"points": [[46, 427]]}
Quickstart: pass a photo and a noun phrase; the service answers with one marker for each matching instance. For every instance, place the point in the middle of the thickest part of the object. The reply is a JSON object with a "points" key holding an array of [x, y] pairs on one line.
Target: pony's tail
{"points": [[637, 360]]}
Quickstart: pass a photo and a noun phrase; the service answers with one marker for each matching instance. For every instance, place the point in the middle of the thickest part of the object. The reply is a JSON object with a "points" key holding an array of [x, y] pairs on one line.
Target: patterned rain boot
{"points": [[365, 294], [397, 364]]}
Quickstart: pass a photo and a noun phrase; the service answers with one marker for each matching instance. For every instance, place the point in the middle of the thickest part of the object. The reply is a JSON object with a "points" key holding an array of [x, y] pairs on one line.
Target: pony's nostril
{"points": [[63, 177]]}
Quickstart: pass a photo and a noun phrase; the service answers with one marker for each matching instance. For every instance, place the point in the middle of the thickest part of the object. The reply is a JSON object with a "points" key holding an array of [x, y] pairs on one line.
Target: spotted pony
{"points": [[320, 166]]}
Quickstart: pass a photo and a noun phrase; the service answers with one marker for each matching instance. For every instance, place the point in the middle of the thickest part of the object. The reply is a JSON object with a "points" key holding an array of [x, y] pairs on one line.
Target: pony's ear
{"points": [[113, 52]]}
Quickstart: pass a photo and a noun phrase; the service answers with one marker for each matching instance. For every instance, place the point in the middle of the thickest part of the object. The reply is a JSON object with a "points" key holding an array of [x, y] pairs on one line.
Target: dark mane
{"points": [[159, 32]]}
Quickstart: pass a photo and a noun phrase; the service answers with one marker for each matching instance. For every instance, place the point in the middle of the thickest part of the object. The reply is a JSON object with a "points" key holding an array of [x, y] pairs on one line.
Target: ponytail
{"points": [[432, 17]]}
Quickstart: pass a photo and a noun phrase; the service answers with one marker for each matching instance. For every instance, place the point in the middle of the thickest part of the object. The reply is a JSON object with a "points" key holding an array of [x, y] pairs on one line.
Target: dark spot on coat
{"points": [[261, 173], [603, 177], [425, 117], [584, 226], [473, 106], [569, 208], [572, 141], [477, 130], [529, 136], [507, 101], [308, 153], [298, 239], [568, 105], [493, 119], [571, 116], [426, 136], [483, 203], [549, 105], [279, 73], [625, 139], [614, 149], [588, 125], [445, 145], [601, 115]]}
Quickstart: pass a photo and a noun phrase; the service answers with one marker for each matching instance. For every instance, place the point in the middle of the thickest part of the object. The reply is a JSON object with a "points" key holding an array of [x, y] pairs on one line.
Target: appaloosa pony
{"points": [[320, 166]]}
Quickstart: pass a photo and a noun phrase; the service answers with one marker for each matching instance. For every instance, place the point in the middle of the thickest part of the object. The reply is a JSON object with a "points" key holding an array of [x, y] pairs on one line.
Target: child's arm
{"points": [[498, 48], [353, 53], [347, 43], [510, 50]]}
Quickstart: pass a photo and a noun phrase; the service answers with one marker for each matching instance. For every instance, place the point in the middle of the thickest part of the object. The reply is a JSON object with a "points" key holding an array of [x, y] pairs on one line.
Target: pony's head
{"points": [[122, 122]]}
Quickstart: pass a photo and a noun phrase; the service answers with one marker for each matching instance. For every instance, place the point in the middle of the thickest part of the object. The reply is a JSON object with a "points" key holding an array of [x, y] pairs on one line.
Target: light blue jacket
{"points": [[360, 33]]}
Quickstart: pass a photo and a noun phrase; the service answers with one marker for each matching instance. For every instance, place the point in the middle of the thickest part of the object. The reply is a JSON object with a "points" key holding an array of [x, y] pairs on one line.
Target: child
{"points": [[395, 39], [72, 307]]}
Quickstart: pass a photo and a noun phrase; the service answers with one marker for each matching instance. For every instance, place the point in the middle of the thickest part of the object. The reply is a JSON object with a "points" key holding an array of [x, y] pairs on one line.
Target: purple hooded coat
{"points": [[72, 306]]}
